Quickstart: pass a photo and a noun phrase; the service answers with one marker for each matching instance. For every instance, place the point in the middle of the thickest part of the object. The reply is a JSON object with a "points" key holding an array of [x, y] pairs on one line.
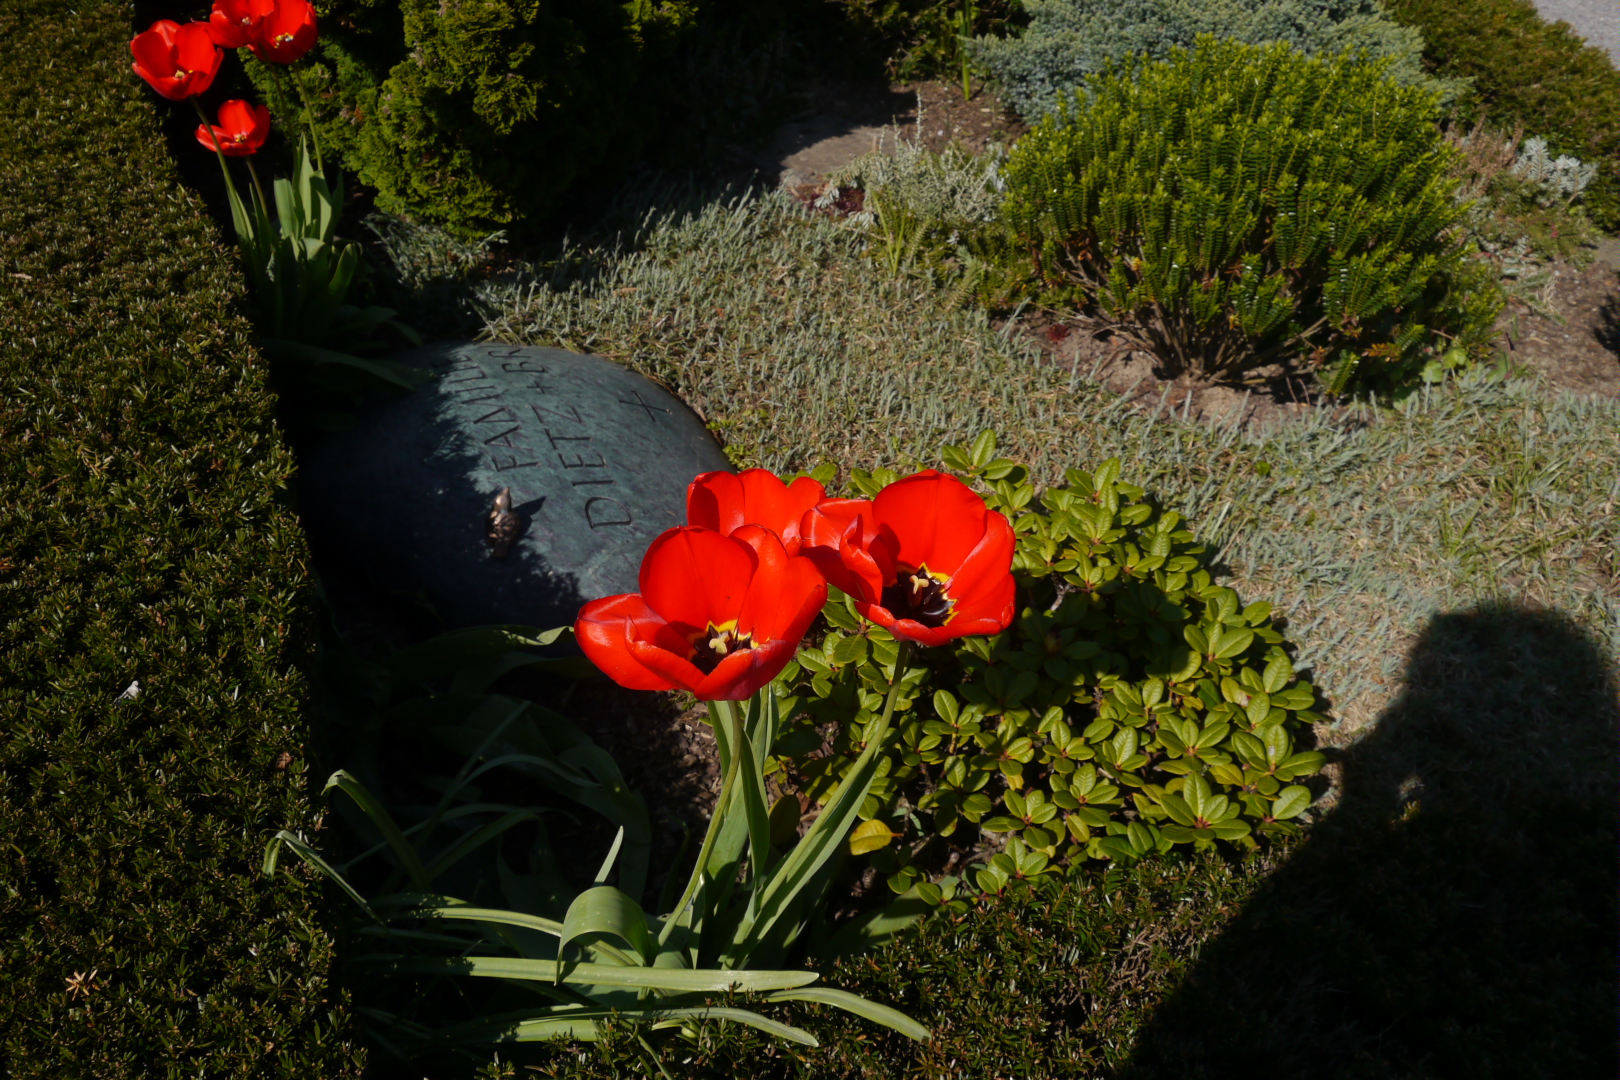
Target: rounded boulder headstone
{"points": [[596, 460]]}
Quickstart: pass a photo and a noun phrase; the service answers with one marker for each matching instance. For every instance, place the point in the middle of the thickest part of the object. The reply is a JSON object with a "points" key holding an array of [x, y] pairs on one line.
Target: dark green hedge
{"points": [[144, 536], [1527, 70]]}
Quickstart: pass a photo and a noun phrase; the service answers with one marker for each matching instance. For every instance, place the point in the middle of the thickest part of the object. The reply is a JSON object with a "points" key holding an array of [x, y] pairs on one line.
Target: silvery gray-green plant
{"points": [[778, 330], [1069, 41], [1561, 179]]}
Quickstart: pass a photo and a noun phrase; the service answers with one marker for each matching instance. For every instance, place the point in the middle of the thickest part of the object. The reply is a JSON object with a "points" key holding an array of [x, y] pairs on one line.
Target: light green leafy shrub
{"points": [[1239, 204], [1135, 705], [1069, 41]]}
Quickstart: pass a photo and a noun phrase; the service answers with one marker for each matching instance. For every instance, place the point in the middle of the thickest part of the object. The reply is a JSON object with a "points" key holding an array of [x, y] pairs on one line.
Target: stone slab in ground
{"points": [[597, 459]]}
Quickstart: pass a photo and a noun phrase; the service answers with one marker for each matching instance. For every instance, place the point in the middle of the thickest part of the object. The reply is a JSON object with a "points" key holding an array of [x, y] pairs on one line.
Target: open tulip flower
{"points": [[718, 615], [926, 559], [725, 502], [241, 130], [178, 61], [235, 23], [286, 33]]}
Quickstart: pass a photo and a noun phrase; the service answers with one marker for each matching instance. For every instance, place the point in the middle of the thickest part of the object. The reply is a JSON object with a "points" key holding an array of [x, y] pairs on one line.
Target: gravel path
{"points": [[1598, 21]]}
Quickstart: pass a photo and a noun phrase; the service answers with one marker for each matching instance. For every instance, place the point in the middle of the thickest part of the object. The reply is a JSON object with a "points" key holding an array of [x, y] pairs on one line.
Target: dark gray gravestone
{"points": [[597, 459]]}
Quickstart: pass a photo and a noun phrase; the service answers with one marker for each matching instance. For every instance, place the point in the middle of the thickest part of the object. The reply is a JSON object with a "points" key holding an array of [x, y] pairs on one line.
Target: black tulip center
{"points": [[714, 645], [919, 596]]}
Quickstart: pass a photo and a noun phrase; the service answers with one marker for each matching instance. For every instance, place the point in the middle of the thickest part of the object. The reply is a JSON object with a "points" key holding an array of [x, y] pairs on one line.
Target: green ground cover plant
{"points": [[1527, 71], [1448, 566], [154, 603], [1447, 920], [1135, 705]]}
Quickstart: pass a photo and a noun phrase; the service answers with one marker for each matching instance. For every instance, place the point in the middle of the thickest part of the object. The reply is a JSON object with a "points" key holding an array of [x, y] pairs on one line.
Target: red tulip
{"points": [[178, 61], [286, 33], [718, 615], [235, 23], [926, 559], [725, 502], [241, 130]]}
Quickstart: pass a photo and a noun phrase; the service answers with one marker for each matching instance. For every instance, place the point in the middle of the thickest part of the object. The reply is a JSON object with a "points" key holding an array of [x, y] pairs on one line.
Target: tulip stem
{"points": [[901, 655], [720, 712], [309, 120], [254, 173]]}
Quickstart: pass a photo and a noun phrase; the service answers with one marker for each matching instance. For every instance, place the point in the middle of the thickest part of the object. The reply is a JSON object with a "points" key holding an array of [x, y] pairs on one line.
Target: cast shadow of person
{"points": [[1455, 914]]}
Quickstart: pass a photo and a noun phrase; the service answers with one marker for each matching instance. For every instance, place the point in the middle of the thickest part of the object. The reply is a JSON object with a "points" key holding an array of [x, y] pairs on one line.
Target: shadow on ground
{"points": [[1608, 328], [1456, 915]]}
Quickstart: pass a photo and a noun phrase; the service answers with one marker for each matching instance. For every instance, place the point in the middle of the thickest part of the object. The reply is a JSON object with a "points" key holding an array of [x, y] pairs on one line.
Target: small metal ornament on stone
{"points": [[515, 486]]}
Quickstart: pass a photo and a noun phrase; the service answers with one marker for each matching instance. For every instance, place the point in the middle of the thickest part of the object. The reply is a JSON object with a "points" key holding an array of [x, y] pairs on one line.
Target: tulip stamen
{"points": [[919, 596], [716, 643]]}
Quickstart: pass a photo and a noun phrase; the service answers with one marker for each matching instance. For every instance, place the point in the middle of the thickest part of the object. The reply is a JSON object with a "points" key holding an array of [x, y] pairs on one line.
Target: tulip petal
{"points": [[785, 593], [983, 584], [802, 595], [696, 577], [802, 494], [757, 614], [154, 49], [835, 534], [614, 631], [937, 519], [742, 674], [714, 501], [671, 666], [194, 49], [726, 502]]}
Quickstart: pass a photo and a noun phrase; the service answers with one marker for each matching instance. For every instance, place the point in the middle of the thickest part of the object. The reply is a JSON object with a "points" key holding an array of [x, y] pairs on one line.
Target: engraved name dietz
{"points": [[509, 446]]}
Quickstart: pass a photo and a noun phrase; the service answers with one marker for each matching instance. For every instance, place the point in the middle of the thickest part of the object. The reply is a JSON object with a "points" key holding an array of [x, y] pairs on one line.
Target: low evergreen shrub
{"points": [[1239, 204], [1529, 72], [153, 601], [477, 115], [1069, 41], [490, 115], [924, 38]]}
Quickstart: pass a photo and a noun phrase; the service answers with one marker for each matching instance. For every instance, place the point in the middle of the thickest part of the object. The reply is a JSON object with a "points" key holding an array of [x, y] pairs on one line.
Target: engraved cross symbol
{"points": [[640, 404]]}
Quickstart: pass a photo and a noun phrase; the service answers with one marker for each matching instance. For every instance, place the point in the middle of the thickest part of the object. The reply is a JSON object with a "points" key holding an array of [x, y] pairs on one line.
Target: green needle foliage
{"points": [[476, 115], [1237, 204]]}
